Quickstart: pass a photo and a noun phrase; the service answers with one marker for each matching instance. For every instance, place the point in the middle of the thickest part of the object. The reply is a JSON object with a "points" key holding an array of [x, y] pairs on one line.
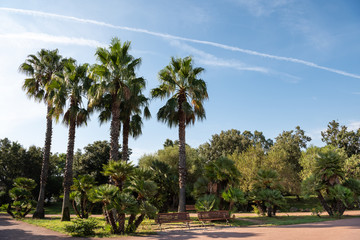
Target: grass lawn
{"points": [[149, 227]]}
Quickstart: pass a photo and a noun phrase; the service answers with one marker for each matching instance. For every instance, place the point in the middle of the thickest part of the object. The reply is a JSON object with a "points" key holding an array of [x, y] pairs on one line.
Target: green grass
{"points": [[287, 220], [301, 204], [55, 208]]}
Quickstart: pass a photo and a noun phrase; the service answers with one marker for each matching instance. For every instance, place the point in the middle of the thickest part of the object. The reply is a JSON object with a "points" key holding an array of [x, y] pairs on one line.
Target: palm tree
{"points": [[73, 83], [131, 111], [179, 81], [41, 68], [115, 68]]}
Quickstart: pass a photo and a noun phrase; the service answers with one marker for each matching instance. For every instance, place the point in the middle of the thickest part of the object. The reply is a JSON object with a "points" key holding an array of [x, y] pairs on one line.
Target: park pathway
{"points": [[344, 229]]}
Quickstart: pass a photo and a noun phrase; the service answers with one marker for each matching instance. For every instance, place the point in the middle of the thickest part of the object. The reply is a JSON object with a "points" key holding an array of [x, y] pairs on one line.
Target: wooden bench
{"points": [[214, 215], [190, 207], [173, 217]]}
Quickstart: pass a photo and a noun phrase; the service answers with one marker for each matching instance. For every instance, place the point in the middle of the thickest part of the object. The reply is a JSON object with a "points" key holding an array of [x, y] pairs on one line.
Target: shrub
{"points": [[82, 227], [207, 203]]}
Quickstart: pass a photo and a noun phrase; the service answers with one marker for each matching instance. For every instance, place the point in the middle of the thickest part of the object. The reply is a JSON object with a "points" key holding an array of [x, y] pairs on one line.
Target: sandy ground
{"points": [[347, 229]]}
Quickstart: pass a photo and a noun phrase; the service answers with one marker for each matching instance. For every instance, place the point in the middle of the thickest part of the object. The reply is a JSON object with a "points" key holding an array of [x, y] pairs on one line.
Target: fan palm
{"points": [[131, 111], [41, 69], [115, 68], [186, 92], [71, 86]]}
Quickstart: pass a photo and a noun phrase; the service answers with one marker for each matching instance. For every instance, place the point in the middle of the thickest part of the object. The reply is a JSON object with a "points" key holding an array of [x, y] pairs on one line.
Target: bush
{"points": [[82, 227], [207, 203]]}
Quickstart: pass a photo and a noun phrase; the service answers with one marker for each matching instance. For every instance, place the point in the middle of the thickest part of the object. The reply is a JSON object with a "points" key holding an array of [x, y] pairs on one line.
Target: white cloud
{"points": [[211, 60], [51, 38], [353, 125], [262, 7], [173, 37]]}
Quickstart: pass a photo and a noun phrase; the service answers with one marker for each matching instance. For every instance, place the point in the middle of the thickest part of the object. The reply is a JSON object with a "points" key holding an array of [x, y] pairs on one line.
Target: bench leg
{"points": [[188, 225]]}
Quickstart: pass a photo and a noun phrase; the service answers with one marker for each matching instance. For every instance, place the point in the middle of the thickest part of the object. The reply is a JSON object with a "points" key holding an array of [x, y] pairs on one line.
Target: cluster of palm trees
{"points": [[111, 88]]}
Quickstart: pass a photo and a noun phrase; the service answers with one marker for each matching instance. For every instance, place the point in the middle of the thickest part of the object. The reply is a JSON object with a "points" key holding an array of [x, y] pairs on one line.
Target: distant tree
{"points": [[92, 160], [338, 136], [168, 143], [41, 68], [219, 175], [165, 178], [228, 142], [111, 86], [71, 85], [186, 91], [248, 164], [284, 157]]}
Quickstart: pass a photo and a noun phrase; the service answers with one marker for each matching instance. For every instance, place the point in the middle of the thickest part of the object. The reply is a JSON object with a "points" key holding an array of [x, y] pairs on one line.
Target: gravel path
{"points": [[348, 229]]}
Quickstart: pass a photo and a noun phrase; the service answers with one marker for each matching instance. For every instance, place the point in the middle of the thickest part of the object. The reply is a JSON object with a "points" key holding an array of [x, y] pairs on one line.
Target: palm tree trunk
{"points": [[115, 130], [125, 145], [182, 160], [65, 215], [324, 204], [40, 212]]}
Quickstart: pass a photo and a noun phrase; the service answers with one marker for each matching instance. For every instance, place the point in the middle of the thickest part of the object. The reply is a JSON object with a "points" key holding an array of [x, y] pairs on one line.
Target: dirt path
{"points": [[348, 229]]}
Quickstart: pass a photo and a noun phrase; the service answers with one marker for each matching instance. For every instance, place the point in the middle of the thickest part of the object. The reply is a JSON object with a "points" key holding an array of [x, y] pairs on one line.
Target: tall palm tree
{"points": [[72, 85], [41, 69], [131, 111], [115, 68], [186, 92]]}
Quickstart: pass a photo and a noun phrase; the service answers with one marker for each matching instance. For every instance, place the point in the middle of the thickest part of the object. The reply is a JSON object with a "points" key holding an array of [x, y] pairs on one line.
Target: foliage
{"points": [[233, 195], [267, 192], [22, 198], [207, 203], [231, 141], [186, 92], [82, 227], [166, 179], [284, 157], [248, 164], [339, 137], [129, 195], [81, 187], [91, 161], [327, 180], [111, 85]]}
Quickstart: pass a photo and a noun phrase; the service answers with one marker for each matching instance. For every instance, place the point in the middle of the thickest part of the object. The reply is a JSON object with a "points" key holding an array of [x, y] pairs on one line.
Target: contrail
{"points": [[168, 36]]}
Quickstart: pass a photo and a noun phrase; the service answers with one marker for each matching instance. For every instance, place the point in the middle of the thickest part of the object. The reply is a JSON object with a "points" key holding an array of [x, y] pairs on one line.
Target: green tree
{"points": [[81, 188], [116, 67], [327, 180], [338, 136], [166, 179], [231, 141], [131, 111], [22, 198], [267, 192], [186, 91], [41, 68], [71, 85], [248, 164], [284, 158], [92, 160]]}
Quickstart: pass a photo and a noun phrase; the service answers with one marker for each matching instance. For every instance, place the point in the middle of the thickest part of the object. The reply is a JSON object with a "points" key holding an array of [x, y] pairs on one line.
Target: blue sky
{"points": [[270, 65]]}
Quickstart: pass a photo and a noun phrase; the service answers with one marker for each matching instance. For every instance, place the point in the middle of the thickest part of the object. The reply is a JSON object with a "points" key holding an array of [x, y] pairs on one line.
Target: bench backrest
{"points": [[223, 214], [172, 217], [190, 207]]}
